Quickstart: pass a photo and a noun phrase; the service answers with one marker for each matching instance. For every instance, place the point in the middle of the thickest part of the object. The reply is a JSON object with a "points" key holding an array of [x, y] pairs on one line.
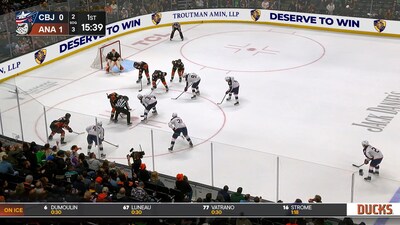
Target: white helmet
{"points": [[139, 96], [174, 115], [99, 123], [364, 143], [228, 79]]}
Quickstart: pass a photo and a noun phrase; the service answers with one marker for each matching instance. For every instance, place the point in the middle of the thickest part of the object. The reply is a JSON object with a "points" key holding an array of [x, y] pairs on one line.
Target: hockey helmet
{"points": [[99, 123], [139, 96], [126, 98], [179, 60], [135, 64], [67, 115], [174, 115], [364, 143], [227, 79]]}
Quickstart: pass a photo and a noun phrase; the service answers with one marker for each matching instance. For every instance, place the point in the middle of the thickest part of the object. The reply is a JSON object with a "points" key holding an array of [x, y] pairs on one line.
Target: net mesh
{"points": [[100, 60]]}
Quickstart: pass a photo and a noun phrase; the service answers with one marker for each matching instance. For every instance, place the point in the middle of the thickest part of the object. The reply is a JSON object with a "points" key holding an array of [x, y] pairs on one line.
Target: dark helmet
{"points": [[126, 98], [67, 115]]}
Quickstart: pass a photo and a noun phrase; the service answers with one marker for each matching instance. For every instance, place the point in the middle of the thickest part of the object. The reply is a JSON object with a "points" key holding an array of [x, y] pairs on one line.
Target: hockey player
{"points": [[176, 27], [375, 156], [122, 106], [96, 132], [58, 126], [177, 65], [193, 80], [113, 59], [142, 66], [149, 102], [233, 88], [178, 126], [113, 99], [158, 74]]}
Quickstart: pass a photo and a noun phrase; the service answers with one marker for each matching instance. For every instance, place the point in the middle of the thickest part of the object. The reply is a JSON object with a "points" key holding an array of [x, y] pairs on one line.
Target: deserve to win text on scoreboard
{"points": [[187, 210], [60, 23]]}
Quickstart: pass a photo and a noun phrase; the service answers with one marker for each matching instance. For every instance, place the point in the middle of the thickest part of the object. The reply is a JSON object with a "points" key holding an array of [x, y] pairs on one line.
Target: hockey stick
{"points": [[358, 166], [111, 143], [178, 95], [219, 103], [78, 133], [141, 85], [181, 93], [155, 88]]}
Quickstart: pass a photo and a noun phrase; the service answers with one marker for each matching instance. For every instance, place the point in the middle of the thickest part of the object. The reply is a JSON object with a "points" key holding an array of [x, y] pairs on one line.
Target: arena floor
{"points": [[307, 100]]}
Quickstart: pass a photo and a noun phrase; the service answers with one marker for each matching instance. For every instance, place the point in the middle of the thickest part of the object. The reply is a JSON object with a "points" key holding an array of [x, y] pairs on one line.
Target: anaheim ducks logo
{"points": [[380, 25], [156, 18], [40, 56], [255, 14]]}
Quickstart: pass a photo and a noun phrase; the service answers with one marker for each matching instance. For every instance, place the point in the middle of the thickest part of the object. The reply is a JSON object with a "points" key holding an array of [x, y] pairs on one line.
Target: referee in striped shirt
{"points": [[122, 106]]}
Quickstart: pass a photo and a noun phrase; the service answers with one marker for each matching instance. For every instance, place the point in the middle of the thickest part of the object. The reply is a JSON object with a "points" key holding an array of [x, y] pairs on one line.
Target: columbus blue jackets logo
{"points": [[40, 56], [156, 18], [255, 14], [380, 25], [24, 21]]}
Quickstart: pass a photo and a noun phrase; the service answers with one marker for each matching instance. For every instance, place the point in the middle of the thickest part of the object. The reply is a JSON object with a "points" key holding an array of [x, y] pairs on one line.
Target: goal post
{"points": [[100, 60]]}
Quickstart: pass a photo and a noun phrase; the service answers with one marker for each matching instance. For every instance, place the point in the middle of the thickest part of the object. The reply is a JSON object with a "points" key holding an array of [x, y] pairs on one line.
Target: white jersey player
{"points": [[233, 88], [193, 80], [113, 59], [95, 133], [178, 126], [374, 157], [149, 102]]}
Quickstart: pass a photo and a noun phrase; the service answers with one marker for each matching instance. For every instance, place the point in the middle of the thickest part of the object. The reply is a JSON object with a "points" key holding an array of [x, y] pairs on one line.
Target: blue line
{"points": [[395, 198]]}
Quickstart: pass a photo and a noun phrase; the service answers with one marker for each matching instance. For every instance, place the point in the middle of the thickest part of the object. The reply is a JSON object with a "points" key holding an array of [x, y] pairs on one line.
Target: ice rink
{"points": [[307, 100]]}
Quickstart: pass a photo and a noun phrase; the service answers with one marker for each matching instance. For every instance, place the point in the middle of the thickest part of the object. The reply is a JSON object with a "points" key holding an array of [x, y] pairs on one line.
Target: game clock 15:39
{"points": [[91, 23]]}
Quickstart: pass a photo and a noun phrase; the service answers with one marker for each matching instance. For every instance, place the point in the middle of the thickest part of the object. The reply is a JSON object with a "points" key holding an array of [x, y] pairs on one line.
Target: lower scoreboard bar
{"points": [[176, 210]]}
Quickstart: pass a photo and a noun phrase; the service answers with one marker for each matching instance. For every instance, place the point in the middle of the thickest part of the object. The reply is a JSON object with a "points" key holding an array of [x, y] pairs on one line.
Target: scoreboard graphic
{"points": [[60, 23], [196, 210]]}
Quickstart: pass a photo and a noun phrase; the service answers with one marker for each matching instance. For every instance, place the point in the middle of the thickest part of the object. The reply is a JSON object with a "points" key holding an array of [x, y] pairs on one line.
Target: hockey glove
{"points": [[70, 130], [186, 88], [227, 92], [366, 161]]}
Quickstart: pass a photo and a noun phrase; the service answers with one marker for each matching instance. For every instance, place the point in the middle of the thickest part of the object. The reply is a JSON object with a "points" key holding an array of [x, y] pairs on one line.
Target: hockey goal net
{"points": [[100, 60]]}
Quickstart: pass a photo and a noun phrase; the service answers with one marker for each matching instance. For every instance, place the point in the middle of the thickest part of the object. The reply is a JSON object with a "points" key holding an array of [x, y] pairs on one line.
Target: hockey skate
{"points": [[171, 79], [130, 123], [166, 89], [367, 178], [138, 81], [144, 120], [197, 92], [236, 103], [63, 142], [228, 98], [103, 156], [154, 112], [375, 172], [193, 97], [148, 82], [191, 144], [152, 88], [170, 149]]}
